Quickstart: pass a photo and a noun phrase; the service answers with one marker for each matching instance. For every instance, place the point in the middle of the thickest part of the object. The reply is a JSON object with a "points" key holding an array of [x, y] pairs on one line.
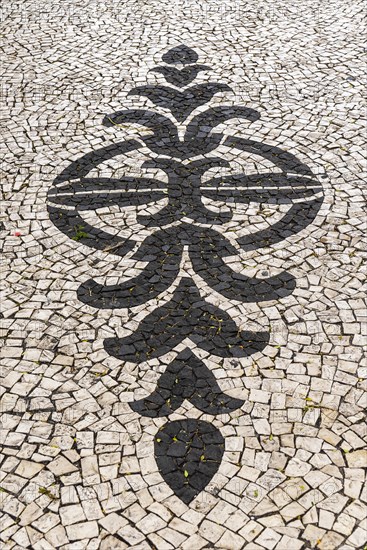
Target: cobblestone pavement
{"points": [[182, 306]]}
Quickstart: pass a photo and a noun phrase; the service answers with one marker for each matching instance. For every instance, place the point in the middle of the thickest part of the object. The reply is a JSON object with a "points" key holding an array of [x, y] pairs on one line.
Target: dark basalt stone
{"points": [[198, 138], [181, 104], [180, 54], [207, 248], [186, 315], [186, 378], [188, 455]]}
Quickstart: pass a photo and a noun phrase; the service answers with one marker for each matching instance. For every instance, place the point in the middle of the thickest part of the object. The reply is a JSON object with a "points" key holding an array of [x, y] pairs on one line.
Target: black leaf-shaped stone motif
{"points": [[186, 315], [181, 104], [186, 378], [180, 54], [188, 455], [180, 77], [192, 215]]}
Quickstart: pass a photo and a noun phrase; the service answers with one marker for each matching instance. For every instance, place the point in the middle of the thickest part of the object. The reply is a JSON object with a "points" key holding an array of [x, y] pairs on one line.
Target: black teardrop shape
{"points": [[180, 54], [188, 454]]}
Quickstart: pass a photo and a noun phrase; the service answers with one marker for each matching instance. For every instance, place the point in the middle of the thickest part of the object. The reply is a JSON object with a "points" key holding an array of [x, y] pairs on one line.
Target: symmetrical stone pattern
{"points": [[81, 467], [180, 219]]}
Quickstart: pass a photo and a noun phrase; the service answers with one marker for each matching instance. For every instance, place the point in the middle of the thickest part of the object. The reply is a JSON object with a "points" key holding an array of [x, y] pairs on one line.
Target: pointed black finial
{"points": [[180, 54]]}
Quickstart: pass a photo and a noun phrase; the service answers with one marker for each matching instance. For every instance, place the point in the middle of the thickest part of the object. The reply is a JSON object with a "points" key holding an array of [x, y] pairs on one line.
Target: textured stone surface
{"points": [[78, 468]]}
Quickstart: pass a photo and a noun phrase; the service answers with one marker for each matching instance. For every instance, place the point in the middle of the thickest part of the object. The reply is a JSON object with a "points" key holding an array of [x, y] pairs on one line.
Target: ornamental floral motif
{"points": [[193, 214]]}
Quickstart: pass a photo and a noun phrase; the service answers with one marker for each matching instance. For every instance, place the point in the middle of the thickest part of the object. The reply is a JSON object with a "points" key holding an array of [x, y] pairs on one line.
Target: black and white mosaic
{"points": [[186, 315], [183, 317]]}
